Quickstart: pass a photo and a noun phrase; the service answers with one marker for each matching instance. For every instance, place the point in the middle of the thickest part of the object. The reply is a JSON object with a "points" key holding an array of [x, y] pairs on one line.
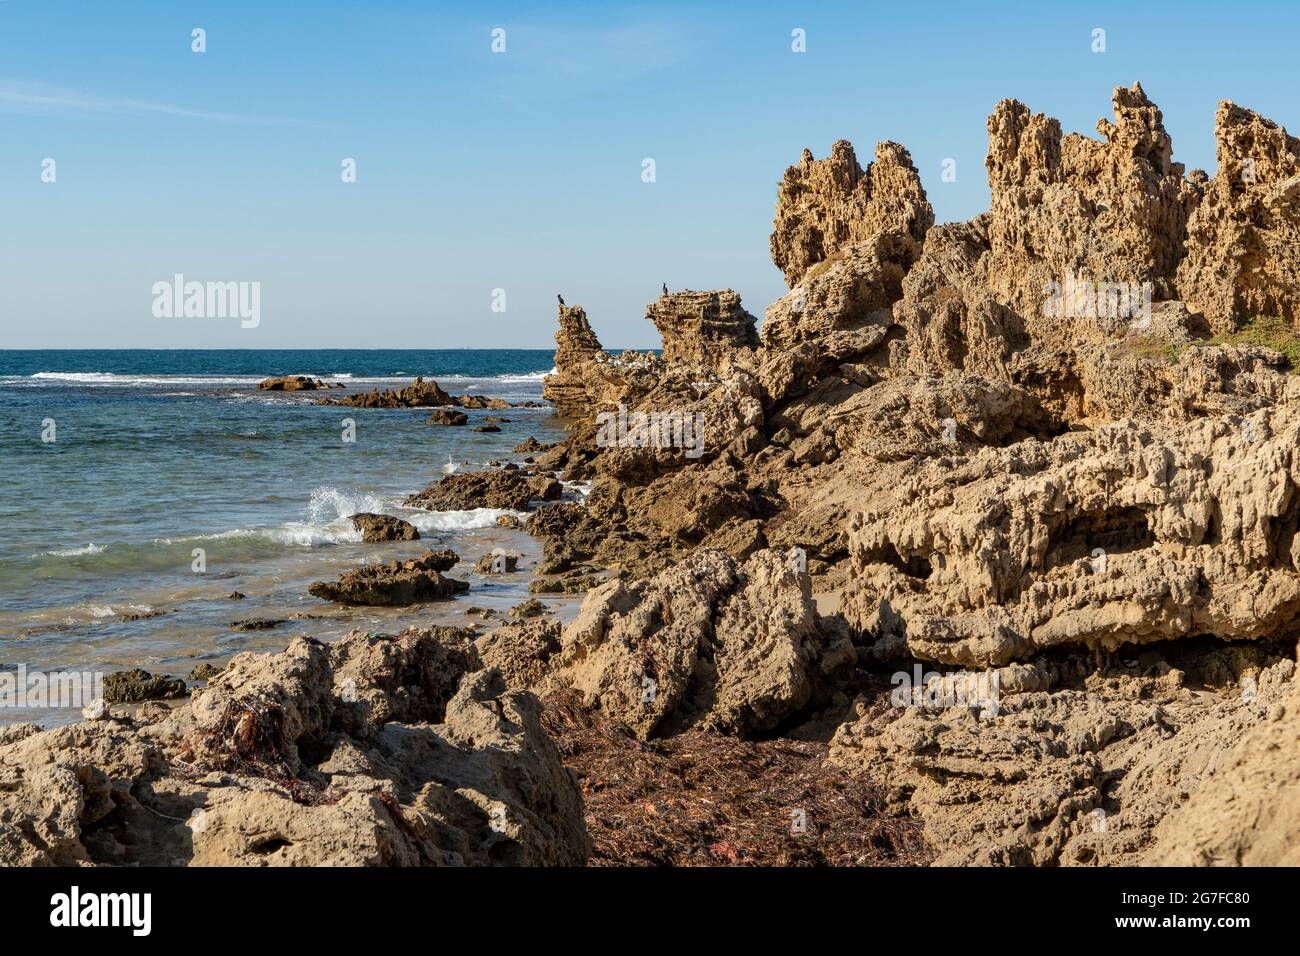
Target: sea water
{"points": [[119, 468]]}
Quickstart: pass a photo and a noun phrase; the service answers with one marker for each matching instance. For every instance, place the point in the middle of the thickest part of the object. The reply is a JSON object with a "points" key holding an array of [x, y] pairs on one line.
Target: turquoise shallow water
{"points": [[157, 454]]}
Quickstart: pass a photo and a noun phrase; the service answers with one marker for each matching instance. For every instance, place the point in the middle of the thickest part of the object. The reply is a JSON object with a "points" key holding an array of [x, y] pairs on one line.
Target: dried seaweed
{"points": [[702, 799]]}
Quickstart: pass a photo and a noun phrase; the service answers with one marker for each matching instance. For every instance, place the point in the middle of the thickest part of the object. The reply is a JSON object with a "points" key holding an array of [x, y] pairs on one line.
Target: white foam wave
{"points": [[90, 548], [451, 521], [112, 378], [329, 504]]}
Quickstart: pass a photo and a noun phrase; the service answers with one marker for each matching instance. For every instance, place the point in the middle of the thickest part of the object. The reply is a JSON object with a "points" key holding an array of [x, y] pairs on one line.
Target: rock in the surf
{"points": [[374, 528]]}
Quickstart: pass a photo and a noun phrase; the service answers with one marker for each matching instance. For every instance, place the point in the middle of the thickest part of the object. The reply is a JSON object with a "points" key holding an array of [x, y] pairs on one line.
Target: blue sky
{"points": [[519, 170]]}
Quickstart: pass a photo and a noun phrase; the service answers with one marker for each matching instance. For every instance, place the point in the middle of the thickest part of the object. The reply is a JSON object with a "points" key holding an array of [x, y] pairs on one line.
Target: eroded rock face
{"points": [[840, 312], [954, 322], [711, 643], [824, 205], [1114, 211], [1128, 534], [1078, 767], [700, 328], [375, 527], [372, 751], [1243, 242], [1245, 814], [398, 584]]}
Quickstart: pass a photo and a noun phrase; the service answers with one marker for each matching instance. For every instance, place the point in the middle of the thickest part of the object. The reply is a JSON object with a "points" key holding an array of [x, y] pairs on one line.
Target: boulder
{"points": [[374, 528], [445, 416], [511, 489], [135, 685]]}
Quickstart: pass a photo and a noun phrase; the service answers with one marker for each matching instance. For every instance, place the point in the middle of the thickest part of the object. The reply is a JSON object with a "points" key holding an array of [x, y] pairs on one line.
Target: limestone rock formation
{"points": [[1246, 813], [710, 643], [1070, 207], [701, 328], [1128, 534], [574, 386], [372, 751], [825, 205], [1243, 242], [1056, 763], [398, 584]]}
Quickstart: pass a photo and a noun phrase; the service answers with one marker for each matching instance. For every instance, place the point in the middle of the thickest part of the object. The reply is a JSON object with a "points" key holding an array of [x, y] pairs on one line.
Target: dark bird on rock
{"points": [[665, 288], [561, 298]]}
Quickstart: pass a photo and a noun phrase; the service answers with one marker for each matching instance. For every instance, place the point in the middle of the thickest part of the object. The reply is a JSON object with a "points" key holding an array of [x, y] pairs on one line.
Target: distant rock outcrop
{"points": [[294, 383], [419, 394]]}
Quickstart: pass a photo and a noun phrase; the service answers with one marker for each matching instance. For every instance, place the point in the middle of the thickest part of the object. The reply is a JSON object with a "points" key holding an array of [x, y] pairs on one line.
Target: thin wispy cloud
{"points": [[560, 61], [33, 99]]}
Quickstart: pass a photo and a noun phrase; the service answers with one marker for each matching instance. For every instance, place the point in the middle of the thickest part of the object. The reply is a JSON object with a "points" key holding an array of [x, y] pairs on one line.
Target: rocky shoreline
{"points": [[982, 552]]}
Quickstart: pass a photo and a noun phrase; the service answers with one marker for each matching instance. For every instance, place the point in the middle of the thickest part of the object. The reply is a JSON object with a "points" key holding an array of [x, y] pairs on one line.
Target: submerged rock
{"points": [[257, 624]]}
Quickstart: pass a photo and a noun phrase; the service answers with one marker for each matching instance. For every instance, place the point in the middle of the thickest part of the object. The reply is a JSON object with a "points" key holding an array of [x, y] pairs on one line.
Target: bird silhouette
{"points": [[561, 298], [665, 288]]}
